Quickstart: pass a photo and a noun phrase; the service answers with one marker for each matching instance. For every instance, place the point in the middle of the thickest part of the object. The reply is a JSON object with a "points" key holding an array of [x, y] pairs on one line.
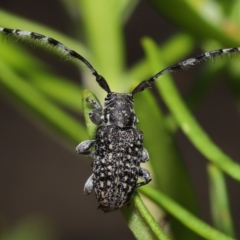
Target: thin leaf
{"points": [[103, 28], [32, 228], [127, 8], [37, 73], [33, 99], [169, 172], [60, 89], [140, 221], [187, 122], [206, 26], [183, 215], [173, 50], [219, 201]]}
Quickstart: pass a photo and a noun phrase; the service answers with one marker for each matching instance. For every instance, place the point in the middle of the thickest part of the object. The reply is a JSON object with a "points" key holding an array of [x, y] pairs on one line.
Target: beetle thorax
{"points": [[118, 110]]}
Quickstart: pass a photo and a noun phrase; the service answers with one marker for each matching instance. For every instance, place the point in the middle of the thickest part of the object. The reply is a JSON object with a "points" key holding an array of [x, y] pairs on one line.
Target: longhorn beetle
{"points": [[118, 146]]}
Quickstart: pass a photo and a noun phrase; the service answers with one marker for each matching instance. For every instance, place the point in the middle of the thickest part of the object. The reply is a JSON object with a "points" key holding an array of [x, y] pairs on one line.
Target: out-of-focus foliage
{"points": [[207, 24]]}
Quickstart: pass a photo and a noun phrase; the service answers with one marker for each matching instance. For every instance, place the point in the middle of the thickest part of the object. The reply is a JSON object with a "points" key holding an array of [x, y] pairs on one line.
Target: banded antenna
{"points": [[61, 47], [183, 66], [100, 79]]}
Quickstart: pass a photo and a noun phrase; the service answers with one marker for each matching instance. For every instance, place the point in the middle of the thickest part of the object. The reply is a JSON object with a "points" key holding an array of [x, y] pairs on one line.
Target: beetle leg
{"points": [[83, 147], [95, 114], [88, 187], [145, 156], [145, 176]]}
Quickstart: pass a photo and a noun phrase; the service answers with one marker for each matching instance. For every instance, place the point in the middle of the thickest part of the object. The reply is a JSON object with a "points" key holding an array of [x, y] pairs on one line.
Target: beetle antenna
{"points": [[190, 62], [60, 47]]}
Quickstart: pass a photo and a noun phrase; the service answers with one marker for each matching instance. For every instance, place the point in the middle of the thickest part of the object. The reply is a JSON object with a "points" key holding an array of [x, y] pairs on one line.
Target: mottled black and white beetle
{"points": [[118, 147]]}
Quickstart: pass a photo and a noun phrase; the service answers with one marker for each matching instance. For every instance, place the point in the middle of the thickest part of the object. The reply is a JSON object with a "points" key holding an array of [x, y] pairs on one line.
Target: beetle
{"points": [[117, 149]]}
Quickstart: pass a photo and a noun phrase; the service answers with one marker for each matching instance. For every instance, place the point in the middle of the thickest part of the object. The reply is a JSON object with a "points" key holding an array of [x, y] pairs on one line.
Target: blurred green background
{"points": [[41, 176]]}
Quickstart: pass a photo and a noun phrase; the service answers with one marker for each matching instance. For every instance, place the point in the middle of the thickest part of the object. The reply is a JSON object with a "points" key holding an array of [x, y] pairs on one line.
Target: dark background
{"points": [[37, 175]]}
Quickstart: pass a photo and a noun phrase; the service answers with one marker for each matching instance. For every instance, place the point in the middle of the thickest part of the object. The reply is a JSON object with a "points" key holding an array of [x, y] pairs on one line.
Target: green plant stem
{"points": [[186, 121], [102, 24], [141, 222], [180, 44], [41, 106], [183, 215], [219, 201]]}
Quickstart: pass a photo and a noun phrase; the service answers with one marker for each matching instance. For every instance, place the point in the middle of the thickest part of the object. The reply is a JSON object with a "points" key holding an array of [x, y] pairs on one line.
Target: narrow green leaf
{"points": [[205, 28], [127, 8], [61, 90], [179, 46], [201, 88], [103, 28], [187, 122], [32, 228], [36, 71], [140, 221], [169, 172], [22, 58], [33, 99], [184, 216], [219, 201]]}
